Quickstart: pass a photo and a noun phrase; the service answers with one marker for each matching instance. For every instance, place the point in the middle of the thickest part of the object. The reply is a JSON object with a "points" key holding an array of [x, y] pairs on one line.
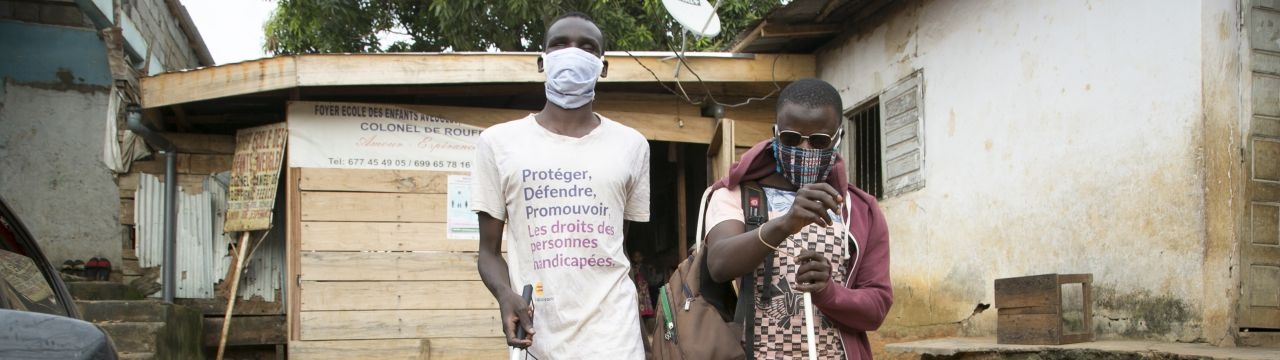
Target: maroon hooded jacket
{"points": [[861, 305]]}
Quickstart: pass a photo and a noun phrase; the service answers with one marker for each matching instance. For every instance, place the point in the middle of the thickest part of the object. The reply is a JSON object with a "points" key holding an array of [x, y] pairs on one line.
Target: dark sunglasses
{"points": [[816, 141]]}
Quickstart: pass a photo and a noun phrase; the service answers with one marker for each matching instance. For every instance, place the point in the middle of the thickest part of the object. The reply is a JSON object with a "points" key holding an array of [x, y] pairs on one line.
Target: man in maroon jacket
{"points": [[824, 236]]}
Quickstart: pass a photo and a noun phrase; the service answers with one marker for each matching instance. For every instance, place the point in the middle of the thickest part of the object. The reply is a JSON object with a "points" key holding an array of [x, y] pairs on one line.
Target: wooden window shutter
{"points": [[902, 136]]}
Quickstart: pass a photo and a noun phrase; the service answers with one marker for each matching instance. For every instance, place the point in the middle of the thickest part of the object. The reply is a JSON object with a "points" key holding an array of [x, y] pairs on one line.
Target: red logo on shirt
{"points": [[754, 201]]}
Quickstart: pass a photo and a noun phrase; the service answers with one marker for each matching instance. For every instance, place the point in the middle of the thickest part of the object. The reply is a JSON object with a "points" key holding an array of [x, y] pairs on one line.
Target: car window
{"points": [[23, 286]]}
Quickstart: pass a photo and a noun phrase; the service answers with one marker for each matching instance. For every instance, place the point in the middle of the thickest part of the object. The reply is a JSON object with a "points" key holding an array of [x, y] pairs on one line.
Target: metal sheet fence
{"points": [[202, 257]]}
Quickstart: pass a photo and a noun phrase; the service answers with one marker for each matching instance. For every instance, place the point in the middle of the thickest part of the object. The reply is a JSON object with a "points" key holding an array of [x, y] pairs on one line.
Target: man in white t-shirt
{"points": [[557, 186]]}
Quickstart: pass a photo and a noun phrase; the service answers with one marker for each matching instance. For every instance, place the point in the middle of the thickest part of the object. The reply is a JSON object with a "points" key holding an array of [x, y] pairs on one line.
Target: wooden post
{"points": [[682, 201], [293, 253], [235, 285]]}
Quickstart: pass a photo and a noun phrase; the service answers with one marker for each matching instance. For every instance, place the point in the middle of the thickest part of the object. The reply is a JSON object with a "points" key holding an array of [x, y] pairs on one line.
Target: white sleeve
{"points": [[638, 187], [486, 183], [724, 205]]}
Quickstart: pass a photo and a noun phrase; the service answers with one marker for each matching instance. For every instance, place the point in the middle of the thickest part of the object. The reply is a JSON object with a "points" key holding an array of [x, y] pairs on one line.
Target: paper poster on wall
{"points": [[461, 221], [376, 136], [255, 172]]}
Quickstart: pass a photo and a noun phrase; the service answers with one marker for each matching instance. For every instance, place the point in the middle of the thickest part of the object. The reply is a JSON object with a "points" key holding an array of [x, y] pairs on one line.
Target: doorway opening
{"points": [[677, 177]]}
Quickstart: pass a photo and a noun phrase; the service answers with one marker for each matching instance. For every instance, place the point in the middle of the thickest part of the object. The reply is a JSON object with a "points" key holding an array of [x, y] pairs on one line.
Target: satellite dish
{"points": [[696, 16]]}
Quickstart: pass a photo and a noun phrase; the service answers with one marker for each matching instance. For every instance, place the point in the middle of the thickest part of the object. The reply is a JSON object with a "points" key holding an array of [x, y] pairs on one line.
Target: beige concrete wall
{"points": [[53, 176], [1225, 115], [1060, 137]]}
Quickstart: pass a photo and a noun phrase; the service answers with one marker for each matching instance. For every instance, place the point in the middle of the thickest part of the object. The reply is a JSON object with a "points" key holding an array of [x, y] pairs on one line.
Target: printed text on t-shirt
{"points": [[564, 232]]}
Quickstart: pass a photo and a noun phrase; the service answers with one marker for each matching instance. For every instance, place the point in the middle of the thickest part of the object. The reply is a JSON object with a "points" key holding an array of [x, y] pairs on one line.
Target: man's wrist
{"points": [[775, 234]]}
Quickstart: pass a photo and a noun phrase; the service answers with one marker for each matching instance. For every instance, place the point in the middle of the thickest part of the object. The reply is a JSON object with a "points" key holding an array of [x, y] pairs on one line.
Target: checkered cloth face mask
{"points": [[803, 166]]}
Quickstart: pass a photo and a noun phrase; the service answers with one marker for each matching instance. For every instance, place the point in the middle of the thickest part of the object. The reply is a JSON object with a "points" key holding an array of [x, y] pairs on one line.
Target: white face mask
{"points": [[571, 77]]}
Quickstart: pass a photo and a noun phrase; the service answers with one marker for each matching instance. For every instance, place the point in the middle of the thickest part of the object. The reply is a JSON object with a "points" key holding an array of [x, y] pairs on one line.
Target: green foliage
{"points": [[329, 26]]}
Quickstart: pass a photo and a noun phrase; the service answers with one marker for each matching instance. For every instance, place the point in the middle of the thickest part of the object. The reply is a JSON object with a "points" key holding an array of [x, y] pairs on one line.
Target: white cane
{"points": [[526, 294], [808, 326]]}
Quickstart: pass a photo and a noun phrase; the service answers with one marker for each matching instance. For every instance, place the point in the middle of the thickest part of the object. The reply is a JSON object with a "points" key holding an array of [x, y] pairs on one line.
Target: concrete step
{"points": [[101, 290], [122, 310], [133, 337], [147, 328], [130, 267]]}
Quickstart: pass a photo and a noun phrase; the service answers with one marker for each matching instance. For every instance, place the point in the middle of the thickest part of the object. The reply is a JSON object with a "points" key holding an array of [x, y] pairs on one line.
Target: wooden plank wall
{"points": [[379, 280]]}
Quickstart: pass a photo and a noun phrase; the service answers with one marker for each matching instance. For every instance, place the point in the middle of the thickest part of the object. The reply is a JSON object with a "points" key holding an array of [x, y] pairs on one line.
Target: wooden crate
{"points": [[1029, 310]]}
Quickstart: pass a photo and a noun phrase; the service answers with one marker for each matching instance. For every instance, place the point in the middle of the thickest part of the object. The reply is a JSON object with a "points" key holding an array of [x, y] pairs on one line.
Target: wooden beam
{"points": [[747, 40], [128, 183], [369, 180], [188, 143], [208, 164], [256, 117], [199, 164], [669, 104], [348, 206], [381, 236], [388, 266], [693, 128], [827, 9], [417, 69], [219, 81], [401, 349], [396, 295], [748, 133], [247, 330], [126, 212], [721, 150], [399, 324], [243, 307], [472, 68], [682, 196], [293, 252], [466, 348], [180, 117], [738, 68], [794, 31], [403, 69], [393, 349]]}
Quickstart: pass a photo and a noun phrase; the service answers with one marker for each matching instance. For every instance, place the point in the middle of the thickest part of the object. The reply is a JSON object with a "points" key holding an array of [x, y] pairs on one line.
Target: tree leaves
{"points": [[336, 26]]}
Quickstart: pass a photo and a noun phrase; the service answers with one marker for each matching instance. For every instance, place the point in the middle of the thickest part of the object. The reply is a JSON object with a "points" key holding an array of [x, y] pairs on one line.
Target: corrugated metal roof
{"points": [[803, 26]]}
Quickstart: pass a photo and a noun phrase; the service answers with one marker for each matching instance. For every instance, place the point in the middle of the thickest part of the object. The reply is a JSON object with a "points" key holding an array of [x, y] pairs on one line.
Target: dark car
{"points": [[38, 317]]}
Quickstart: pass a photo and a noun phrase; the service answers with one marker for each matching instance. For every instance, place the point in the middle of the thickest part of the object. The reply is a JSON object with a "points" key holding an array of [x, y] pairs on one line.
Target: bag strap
{"points": [[698, 281], [755, 212], [702, 214]]}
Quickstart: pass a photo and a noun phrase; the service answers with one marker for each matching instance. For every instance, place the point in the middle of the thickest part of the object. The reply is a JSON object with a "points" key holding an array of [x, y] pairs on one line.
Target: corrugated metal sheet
{"points": [[202, 254], [195, 233], [148, 217], [194, 236], [264, 270]]}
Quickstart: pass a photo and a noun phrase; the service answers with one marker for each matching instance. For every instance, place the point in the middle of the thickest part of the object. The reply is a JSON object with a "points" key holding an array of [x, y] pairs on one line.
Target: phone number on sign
{"points": [[400, 163]]}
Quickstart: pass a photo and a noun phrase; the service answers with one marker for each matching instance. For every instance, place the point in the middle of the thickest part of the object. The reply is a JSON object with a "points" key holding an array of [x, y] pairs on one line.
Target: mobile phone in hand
{"points": [[527, 295]]}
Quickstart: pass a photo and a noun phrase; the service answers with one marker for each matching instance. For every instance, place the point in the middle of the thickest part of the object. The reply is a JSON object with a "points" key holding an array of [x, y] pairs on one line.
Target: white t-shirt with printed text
{"points": [[564, 200]]}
